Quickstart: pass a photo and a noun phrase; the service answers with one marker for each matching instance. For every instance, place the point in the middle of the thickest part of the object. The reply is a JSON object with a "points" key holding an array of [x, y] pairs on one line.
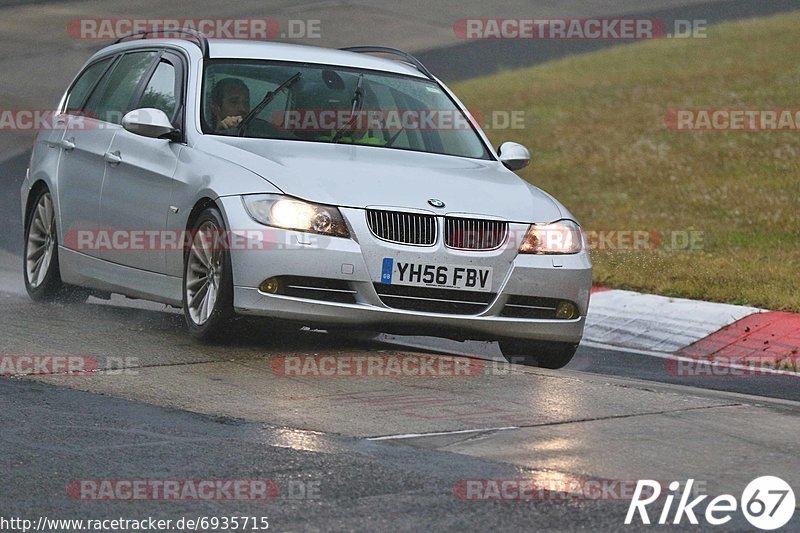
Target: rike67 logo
{"points": [[767, 503]]}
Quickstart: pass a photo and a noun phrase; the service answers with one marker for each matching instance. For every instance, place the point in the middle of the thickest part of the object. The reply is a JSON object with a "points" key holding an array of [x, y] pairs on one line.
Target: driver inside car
{"points": [[230, 103]]}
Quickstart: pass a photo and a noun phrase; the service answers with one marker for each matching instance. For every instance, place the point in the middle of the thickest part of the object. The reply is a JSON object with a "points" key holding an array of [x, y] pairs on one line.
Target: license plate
{"points": [[461, 277]]}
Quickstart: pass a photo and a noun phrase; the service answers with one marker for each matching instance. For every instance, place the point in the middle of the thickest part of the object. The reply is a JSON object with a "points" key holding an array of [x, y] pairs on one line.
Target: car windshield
{"points": [[335, 105]]}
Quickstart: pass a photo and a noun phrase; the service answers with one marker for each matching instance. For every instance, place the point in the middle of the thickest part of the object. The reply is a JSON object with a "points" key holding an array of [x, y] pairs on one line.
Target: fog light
{"points": [[270, 286], [566, 310]]}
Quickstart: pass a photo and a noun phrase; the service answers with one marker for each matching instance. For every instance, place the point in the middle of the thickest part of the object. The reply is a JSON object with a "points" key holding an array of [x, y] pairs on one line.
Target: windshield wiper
{"points": [[265, 102], [358, 103]]}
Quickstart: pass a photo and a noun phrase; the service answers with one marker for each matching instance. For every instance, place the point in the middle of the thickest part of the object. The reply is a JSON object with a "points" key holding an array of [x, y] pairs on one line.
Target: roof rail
{"points": [[201, 40], [393, 51]]}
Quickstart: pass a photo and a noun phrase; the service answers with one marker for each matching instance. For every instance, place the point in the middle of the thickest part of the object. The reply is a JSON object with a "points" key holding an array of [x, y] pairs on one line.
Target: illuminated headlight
{"points": [[289, 213], [562, 237]]}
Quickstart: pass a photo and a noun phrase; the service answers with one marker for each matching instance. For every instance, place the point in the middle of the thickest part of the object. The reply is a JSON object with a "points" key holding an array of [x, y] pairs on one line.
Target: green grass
{"points": [[595, 126]]}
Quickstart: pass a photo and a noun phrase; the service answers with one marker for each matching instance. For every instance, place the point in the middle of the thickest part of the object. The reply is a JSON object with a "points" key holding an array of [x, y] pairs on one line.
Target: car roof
{"points": [[273, 51]]}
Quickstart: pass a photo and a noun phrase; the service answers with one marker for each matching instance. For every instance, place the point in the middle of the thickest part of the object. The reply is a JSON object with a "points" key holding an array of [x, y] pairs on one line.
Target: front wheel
{"points": [[208, 279], [542, 354]]}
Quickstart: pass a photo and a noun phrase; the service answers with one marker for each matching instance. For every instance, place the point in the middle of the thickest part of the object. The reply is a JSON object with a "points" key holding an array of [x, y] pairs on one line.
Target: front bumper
{"points": [[357, 261]]}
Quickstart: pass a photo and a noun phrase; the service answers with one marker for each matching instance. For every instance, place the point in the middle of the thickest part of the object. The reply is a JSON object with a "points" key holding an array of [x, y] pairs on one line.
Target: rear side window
{"points": [[112, 99], [83, 85], [160, 90]]}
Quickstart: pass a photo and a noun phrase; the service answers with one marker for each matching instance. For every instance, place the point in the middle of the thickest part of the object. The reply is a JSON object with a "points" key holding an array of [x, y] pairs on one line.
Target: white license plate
{"points": [[468, 278]]}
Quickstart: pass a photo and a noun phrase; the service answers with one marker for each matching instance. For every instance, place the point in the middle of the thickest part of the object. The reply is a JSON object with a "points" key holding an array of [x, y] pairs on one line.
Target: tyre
{"points": [[40, 260], [542, 354], [208, 279]]}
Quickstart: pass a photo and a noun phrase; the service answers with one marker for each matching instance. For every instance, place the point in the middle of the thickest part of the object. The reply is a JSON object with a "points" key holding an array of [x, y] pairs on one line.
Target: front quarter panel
{"points": [[201, 177]]}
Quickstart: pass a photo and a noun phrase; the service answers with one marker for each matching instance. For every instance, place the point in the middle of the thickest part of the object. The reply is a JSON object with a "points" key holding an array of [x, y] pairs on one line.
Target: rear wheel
{"points": [[41, 271], [541, 354], [208, 280]]}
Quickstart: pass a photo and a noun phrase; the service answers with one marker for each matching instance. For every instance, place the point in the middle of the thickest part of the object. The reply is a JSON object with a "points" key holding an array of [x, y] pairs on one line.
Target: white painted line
{"points": [[438, 433], [650, 322], [664, 355]]}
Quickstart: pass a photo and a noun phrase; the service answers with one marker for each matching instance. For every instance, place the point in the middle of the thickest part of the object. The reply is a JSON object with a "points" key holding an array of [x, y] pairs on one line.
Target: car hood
{"points": [[365, 176]]}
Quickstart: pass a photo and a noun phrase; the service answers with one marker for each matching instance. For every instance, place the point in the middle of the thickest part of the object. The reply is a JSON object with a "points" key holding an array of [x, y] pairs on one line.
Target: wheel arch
{"points": [[199, 206], [33, 194]]}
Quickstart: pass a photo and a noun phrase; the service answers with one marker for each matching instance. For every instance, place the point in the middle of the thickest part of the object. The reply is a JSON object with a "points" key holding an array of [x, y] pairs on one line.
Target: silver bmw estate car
{"points": [[345, 188]]}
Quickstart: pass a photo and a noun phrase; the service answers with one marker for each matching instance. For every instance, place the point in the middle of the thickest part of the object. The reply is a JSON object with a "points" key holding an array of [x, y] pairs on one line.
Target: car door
{"points": [[139, 170], [81, 141]]}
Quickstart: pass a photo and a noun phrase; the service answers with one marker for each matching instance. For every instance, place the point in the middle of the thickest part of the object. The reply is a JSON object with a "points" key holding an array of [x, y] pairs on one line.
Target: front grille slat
{"points": [[402, 228], [474, 234], [428, 224]]}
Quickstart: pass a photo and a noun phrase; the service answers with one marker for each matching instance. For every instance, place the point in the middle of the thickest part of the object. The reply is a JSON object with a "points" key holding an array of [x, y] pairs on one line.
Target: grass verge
{"points": [[595, 125]]}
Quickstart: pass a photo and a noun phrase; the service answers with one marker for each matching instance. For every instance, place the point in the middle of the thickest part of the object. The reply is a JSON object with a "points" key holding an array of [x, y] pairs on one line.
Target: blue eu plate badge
{"points": [[386, 273]]}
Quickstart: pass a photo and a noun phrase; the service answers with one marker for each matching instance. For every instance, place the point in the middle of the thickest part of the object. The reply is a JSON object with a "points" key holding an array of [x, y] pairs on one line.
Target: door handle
{"points": [[68, 144], [113, 158]]}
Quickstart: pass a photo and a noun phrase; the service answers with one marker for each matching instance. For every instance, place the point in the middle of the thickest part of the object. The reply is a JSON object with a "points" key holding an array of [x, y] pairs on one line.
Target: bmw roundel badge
{"points": [[435, 202]]}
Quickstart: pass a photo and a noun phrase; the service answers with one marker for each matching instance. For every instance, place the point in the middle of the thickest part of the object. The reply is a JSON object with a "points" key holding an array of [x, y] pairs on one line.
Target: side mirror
{"points": [[514, 156], [148, 122]]}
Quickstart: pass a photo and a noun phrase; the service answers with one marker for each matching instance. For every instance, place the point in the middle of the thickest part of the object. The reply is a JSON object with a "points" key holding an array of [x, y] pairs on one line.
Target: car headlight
{"points": [[562, 237], [290, 213]]}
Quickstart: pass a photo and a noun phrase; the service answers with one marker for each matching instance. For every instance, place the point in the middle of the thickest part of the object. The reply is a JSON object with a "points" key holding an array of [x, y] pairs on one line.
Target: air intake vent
{"points": [[446, 301]]}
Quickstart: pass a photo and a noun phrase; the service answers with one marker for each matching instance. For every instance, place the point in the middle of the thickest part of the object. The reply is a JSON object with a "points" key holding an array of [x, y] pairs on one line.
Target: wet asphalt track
{"points": [[216, 412]]}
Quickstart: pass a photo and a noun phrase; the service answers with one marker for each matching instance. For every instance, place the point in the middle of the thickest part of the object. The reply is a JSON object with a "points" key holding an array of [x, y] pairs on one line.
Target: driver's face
{"points": [[235, 103]]}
